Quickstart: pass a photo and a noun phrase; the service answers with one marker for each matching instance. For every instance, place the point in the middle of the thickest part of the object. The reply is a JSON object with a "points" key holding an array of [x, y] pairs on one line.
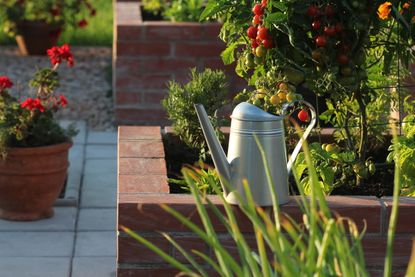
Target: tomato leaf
{"points": [[212, 7], [276, 18], [228, 55], [279, 5]]}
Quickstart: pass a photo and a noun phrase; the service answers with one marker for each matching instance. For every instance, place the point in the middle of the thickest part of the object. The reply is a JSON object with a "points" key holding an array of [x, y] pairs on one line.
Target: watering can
{"points": [[251, 126]]}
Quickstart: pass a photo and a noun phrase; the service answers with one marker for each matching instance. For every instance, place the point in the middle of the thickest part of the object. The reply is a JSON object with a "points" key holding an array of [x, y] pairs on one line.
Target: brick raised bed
{"points": [[142, 186], [147, 54]]}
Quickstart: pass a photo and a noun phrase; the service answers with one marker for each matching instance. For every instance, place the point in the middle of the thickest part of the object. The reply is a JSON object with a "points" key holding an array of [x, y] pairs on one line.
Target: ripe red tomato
{"points": [[264, 3], [321, 41], [316, 24], [329, 11], [330, 31], [254, 43], [256, 20], [251, 32], [342, 59], [258, 9], [303, 115], [313, 11], [267, 43], [262, 33]]}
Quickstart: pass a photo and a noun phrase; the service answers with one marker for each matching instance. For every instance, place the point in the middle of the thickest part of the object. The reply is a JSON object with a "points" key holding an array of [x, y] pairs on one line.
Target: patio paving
{"points": [[80, 240]]}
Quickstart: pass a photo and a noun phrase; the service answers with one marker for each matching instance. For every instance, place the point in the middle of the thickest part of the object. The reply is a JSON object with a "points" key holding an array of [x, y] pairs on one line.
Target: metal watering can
{"points": [[244, 161]]}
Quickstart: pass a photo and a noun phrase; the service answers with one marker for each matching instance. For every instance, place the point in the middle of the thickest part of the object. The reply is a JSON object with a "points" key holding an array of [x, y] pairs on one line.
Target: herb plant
{"points": [[176, 10], [209, 88]]}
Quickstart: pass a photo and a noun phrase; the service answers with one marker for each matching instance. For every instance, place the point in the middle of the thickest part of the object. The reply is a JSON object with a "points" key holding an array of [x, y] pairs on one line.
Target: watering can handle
{"points": [[306, 132]]}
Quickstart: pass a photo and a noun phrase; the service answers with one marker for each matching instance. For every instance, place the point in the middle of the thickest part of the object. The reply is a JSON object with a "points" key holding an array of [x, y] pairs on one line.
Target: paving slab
{"points": [[94, 267], [106, 166], [102, 138], [96, 244], [99, 190], [100, 151], [63, 220], [34, 267], [36, 244], [97, 220]]}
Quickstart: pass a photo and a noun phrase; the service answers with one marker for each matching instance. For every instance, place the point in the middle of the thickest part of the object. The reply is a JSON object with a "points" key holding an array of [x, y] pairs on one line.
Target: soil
{"points": [[380, 184]]}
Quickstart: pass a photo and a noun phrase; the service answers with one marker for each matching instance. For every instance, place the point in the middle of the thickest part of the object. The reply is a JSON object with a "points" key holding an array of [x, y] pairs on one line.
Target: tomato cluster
{"points": [[258, 34], [328, 33]]}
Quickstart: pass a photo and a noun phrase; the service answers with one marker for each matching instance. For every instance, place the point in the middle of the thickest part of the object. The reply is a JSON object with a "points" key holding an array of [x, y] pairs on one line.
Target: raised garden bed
{"points": [[142, 187], [147, 54]]}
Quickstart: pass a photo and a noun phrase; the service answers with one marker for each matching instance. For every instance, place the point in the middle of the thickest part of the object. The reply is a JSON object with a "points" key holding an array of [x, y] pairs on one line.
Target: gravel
{"points": [[87, 85]]}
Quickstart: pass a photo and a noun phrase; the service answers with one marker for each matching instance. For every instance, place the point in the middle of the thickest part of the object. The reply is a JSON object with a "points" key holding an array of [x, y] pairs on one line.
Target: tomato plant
{"points": [[341, 50]]}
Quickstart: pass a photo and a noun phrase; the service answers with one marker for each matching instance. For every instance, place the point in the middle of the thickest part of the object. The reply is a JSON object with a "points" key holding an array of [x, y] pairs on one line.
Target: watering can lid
{"points": [[249, 112]]}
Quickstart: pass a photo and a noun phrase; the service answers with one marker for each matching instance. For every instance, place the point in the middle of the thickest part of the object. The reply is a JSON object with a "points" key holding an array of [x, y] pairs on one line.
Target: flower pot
{"points": [[31, 180], [35, 37]]}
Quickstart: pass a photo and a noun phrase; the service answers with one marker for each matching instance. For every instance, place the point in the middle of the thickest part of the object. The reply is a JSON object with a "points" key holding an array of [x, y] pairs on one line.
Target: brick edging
{"points": [[139, 209]]}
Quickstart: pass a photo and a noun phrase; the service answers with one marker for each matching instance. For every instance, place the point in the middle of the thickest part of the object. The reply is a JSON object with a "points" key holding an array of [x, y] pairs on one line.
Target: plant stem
{"points": [[363, 128], [395, 206]]}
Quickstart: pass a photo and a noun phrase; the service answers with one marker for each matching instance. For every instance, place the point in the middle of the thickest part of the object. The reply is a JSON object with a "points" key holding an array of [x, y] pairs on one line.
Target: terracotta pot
{"points": [[31, 180], [35, 37]]}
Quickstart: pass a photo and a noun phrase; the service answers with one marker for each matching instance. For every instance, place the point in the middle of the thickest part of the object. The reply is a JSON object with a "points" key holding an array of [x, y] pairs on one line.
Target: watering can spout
{"points": [[218, 155]]}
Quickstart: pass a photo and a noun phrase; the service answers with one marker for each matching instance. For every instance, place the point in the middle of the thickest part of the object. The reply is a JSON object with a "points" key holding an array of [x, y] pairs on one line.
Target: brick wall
{"points": [[142, 187], [149, 54]]}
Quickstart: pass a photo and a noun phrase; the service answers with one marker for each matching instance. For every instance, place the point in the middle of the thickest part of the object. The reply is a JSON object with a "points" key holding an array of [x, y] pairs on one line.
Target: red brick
{"points": [[128, 98], [141, 149], [352, 207], [129, 33], [189, 244], [131, 251], [167, 65], [406, 214], [155, 97], [143, 184], [127, 66], [375, 249], [134, 83], [212, 30], [138, 132], [141, 115], [173, 31], [143, 48], [148, 272], [145, 213], [198, 49], [127, 13], [141, 166]]}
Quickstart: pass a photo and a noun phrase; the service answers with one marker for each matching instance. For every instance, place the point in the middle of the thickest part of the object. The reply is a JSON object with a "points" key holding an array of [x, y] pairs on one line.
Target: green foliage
{"points": [[175, 10], [206, 175], [46, 78], [404, 148], [209, 88]]}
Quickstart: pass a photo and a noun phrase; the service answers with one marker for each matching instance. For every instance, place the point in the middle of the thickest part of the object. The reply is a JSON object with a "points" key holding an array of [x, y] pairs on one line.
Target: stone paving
{"points": [[80, 240]]}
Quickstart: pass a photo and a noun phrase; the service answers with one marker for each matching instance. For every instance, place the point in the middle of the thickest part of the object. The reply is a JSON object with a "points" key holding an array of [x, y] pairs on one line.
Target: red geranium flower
{"points": [[58, 54], [83, 23], [5, 83], [63, 100], [33, 104]]}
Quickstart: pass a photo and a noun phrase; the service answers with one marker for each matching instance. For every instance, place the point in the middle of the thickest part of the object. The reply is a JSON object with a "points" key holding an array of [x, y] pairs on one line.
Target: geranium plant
{"points": [[348, 52], [59, 13], [30, 122]]}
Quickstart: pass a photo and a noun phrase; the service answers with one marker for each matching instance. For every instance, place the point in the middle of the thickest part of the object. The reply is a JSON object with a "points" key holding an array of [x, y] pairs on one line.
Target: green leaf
{"points": [[227, 55], [212, 7], [276, 17], [279, 5]]}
